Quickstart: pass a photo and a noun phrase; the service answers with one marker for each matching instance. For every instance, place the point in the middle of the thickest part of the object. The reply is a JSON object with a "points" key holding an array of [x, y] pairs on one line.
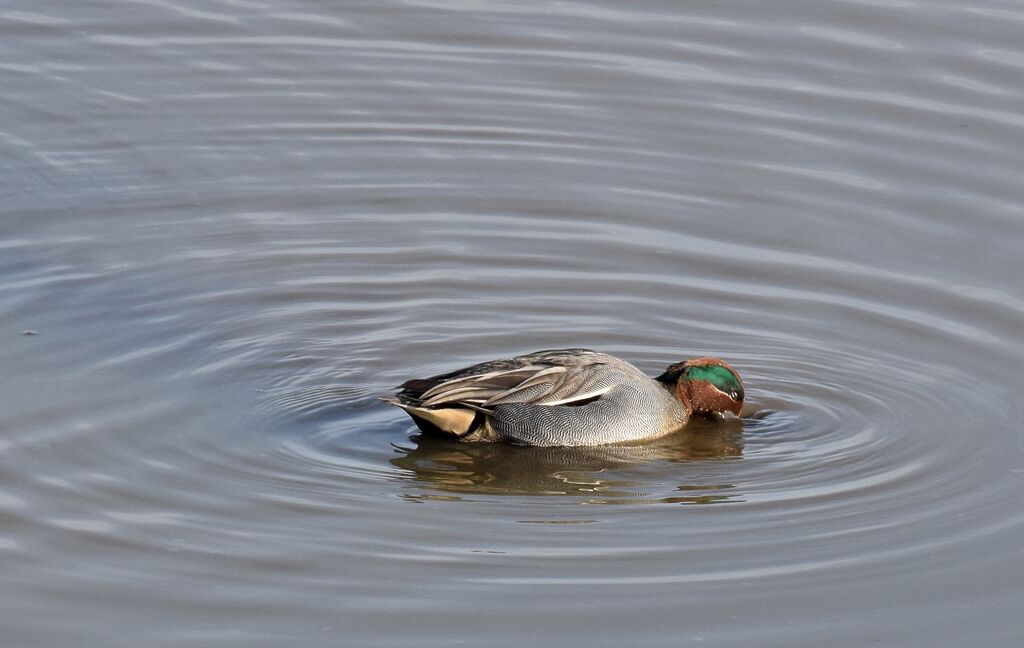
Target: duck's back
{"points": [[560, 397]]}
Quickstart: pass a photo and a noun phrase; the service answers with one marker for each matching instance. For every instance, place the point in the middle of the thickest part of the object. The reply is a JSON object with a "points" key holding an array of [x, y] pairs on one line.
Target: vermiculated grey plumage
{"points": [[568, 397]]}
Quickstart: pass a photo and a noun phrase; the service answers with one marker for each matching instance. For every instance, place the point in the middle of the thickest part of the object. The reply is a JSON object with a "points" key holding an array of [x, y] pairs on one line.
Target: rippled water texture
{"points": [[231, 225]]}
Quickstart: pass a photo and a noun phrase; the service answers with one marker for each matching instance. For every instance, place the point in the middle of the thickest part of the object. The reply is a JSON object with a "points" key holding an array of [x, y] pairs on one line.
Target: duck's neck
{"points": [[680, 406], [684, 393]]}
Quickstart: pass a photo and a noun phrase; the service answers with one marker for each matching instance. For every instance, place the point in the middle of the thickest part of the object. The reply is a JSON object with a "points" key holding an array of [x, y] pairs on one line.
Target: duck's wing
{"points": [[563, 377]]}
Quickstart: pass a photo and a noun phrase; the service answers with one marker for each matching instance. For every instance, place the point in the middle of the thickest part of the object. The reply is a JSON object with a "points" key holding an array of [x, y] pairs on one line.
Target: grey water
{"points": [[228, 226]]}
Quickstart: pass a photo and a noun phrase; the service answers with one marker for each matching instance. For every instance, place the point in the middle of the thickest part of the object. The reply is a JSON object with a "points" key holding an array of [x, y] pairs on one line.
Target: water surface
{"points": [[232, 225]]}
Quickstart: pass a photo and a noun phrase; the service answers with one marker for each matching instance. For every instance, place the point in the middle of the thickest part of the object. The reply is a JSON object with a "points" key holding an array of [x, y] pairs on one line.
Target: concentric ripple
{"points": [[228, 228]]}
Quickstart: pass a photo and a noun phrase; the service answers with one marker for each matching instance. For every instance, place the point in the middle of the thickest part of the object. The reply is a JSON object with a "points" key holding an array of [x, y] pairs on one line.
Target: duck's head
{"points": [[706, 386]]}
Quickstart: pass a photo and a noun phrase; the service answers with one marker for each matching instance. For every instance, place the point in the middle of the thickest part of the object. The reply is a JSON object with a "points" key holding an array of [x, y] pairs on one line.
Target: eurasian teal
{"points": [[568, 397]]}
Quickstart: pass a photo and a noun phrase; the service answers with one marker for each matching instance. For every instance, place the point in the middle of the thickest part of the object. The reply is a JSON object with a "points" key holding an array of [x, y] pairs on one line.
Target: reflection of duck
{"points": [[485, 468], [570, 397]]}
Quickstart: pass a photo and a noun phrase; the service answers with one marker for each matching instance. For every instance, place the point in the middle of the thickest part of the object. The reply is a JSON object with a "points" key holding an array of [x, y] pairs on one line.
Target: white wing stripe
{"points": [[540, 378], [578, 397]]}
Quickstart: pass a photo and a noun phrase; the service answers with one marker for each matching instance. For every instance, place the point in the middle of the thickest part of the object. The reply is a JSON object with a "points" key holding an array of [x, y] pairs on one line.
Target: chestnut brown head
{"points": [[706, 386]]}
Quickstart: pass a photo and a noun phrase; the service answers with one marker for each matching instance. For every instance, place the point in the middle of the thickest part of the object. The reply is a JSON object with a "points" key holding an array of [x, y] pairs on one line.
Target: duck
{"points": [[568, 397]]}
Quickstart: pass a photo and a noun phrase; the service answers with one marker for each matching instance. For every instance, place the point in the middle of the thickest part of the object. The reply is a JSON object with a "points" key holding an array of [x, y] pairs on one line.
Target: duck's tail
{"points": [[444, 421]]}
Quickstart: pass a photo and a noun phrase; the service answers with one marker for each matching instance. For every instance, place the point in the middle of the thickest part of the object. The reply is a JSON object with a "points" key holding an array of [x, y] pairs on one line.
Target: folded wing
{"points": [[547, 378]]}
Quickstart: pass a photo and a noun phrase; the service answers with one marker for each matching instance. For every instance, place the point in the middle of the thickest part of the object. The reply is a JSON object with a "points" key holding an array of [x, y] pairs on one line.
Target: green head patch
{"points": [[724, 380]]}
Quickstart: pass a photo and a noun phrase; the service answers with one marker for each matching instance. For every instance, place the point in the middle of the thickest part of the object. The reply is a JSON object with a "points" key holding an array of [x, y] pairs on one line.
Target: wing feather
{"points": [[543, 378]]}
